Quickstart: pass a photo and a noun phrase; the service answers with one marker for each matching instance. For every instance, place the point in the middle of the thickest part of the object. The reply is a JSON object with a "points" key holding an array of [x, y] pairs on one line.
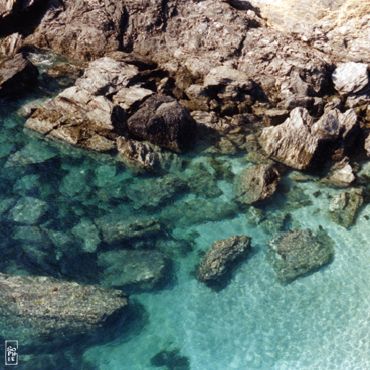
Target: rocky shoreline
{"points": [[146, 82]]}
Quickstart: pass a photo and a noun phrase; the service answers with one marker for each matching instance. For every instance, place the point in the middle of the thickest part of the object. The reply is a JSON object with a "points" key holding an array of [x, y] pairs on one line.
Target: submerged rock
{"points": [[132, 269], [298, 252], [28, 210], [257, 183], [42, 309], [344, 207], [350, 78], [114, 229], [161, 120], [17, 75], [220, 259], [88, 234]]}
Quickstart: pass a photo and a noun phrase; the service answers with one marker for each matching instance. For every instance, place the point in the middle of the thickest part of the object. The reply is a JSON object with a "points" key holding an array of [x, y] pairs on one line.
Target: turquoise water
{"points": [[321, 321]]}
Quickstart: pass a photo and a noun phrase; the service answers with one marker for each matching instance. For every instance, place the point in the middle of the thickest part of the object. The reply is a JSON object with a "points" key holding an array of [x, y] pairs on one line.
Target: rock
{"points": [[297, 141], [132, 269], [220, 259], [367, 145], [257, 183], [68, 28], [344, 207], [350, 78], [130, 97], [10, 45], [17, 74], [88, 234], [45, 310], [341, 174], [32, 153], [298, 252], [291, 142], [162, 121], [141, 155], [28, 210], [29, 234], [155, 192], [114, 230]]}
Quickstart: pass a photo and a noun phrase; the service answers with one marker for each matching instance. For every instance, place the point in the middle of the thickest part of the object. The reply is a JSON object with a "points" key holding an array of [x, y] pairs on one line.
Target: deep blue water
{"points": [[321, 321]]}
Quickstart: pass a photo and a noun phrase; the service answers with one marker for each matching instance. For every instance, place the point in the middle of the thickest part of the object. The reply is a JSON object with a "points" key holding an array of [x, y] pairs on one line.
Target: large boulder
{"points": [[17, 75], [42, 309], [68, 27], [298, 252], [221, 258], [132, 269], [161, 120], [345, 206], [297, 141], [257, 183], [350, 78]]}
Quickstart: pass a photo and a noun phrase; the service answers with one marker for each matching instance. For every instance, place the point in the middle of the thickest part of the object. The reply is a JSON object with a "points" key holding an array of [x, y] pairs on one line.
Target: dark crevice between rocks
{"points": [[24, 22]]}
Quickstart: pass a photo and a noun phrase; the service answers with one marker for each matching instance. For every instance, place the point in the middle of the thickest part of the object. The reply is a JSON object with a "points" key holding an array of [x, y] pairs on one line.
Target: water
{"points": [[321, 321]]}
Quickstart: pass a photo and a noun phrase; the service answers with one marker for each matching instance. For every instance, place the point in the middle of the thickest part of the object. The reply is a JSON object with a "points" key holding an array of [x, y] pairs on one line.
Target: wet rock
{"points": [[296, 141], [345, 206], [257, 183], [298, 252], [220, 259], [114, 229], [17, 75], [27, 109], [28, 210], [88, 234], [341, 174], [350, 78], [162, 121], [45, 310], [132, 269]]}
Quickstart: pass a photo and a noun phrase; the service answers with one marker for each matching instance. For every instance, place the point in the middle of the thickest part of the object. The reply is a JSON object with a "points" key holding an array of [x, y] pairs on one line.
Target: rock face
{"points": [[17, 75], [43, 309], [68, 27], [162, 121], [257, 183], [350, 78], [220, 259], [132, 269], [344, 207], [341, 174], [299, 252], [367, 145], [296, 141]]}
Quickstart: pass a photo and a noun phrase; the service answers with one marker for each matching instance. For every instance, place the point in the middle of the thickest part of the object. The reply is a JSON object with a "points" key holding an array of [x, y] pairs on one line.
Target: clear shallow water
{"points": [[321, 321]]}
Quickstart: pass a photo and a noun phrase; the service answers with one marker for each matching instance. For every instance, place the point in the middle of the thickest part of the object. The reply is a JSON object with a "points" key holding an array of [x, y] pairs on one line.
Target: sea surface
{"points": [[318, 322]]}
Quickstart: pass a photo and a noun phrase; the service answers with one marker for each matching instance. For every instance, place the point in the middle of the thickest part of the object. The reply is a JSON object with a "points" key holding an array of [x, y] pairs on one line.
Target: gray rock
{"points": [[221, 257], [257, 183], [350, 78], [162, 121], [296, 141], [341, 174], [132, 269], [88, 234], [17, 74], [129, 97], [298, 252], [44, 310], [345, 206], [367, 145], [28, 210], [114, 229]]}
